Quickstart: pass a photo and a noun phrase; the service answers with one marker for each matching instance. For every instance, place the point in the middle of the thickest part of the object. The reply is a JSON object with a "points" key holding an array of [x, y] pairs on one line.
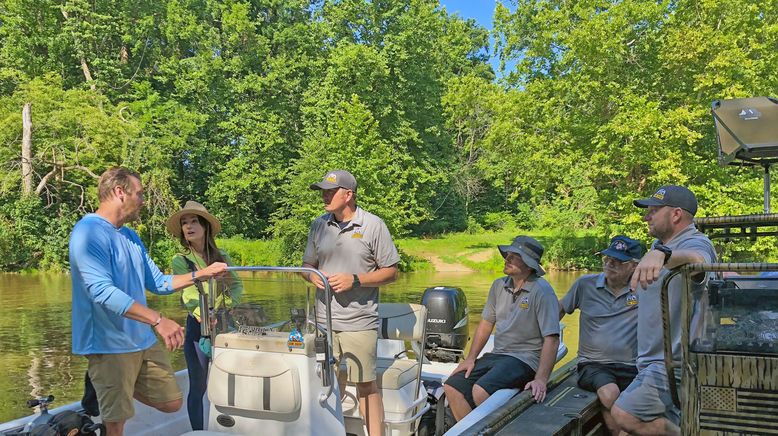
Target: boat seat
{"points": [[276, 384], [395, 373]]}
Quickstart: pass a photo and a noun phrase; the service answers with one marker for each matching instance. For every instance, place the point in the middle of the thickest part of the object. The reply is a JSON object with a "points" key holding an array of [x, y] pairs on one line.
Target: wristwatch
{"points": [[357, 283], [664, 249]]}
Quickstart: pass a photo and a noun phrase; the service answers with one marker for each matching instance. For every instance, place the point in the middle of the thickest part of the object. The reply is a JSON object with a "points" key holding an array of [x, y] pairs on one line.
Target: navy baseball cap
{"points": [[671, 195], [623, 249]]}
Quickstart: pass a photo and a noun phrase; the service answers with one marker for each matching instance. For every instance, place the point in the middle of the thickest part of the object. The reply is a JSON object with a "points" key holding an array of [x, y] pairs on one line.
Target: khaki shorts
{"points": [[359, 349], [648, 396], [117, 377]]}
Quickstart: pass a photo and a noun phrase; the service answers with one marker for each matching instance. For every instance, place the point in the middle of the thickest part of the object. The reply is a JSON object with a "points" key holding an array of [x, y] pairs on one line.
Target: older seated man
{"points": [[608, 324], [522, 307]]}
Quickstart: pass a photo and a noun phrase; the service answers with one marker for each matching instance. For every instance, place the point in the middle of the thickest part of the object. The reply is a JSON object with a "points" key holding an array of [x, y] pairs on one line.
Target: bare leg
{"points": [[114, 428], [479, 395], [342, 380], [456, 400], [371, 407], [634, 426], [166, 407], [608, 395]]}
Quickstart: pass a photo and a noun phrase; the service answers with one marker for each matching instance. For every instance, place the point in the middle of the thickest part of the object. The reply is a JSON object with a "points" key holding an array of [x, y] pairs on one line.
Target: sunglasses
{"points": [[613, 260]]}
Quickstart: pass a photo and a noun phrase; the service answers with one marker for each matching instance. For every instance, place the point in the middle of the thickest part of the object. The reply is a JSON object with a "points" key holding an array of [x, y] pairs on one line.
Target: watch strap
{"points": [[664, 249]]}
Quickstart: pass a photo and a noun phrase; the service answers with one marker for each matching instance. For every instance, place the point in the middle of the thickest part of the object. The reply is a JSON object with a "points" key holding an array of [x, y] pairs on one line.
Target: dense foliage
{"points": [[241, 104]]}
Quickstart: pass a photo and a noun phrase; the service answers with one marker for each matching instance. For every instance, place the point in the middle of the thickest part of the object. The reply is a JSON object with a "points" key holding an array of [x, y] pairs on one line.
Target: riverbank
{"points": [[452, 252]]}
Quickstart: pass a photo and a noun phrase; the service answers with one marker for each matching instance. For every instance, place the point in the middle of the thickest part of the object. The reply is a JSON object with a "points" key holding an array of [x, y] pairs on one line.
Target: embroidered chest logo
{"points": [[524, 303], [632, 299], [356, 235]]}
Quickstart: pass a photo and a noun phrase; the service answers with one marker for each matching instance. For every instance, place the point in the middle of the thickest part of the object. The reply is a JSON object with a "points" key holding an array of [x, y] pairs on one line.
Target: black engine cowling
{"points": [[447, 323]]}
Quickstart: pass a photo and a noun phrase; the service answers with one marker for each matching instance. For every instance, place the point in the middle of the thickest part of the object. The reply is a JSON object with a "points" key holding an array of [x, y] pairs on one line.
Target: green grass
{"points": [[252, 251], [564, 250]]}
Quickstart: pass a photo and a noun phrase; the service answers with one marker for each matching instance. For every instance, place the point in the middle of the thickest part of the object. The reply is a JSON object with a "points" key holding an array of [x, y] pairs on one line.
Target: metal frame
{"points": [[687, 271], [745, 226]]}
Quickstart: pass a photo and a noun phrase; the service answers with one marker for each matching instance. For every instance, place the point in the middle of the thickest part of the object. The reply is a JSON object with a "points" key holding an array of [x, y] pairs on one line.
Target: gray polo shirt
{"points": [[522, 319], [608, 324], [364, 245], [650, 339]]}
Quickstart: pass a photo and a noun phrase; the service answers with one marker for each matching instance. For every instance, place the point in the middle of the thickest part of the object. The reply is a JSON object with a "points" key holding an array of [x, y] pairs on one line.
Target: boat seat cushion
{"points": [[394, 374], [254, 382]]}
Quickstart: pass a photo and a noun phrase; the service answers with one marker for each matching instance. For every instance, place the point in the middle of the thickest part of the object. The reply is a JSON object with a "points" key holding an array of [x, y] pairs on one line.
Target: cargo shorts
{"points": [[359, 350], [118, 377]]}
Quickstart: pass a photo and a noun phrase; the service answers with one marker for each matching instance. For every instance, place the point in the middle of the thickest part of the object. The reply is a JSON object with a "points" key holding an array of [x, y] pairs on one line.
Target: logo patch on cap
{"points": [[659, 195], [331, 178], [620, 246]]}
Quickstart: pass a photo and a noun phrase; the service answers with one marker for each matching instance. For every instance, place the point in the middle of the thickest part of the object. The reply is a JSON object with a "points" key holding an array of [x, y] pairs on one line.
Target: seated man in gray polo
{"points": [[523, 308], [646, 406], [608, 324], [354, 250]]}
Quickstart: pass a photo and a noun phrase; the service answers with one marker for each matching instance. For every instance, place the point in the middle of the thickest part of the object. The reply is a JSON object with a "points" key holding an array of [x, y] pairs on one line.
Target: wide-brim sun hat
{"points": [[173, 223], [529, 249]]}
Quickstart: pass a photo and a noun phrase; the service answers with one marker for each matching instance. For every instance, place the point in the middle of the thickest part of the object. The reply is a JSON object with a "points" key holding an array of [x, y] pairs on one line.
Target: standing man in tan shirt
{"points": [[354, 250]]}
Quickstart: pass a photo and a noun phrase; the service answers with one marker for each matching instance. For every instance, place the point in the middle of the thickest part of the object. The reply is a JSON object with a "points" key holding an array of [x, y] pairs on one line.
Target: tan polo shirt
{"points": [[364, 245], [522, 319]]}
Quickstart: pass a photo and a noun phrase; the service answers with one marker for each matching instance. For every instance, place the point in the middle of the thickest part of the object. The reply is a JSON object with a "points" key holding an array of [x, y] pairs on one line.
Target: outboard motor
{"points": [[447, 323]]}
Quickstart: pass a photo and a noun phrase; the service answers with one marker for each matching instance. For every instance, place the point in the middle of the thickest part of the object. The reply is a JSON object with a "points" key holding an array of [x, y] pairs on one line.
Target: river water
{"points": [[35, 356]]}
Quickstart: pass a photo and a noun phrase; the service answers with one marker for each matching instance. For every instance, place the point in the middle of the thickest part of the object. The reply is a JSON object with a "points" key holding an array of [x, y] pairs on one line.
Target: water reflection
{"points": [[35, 324]]}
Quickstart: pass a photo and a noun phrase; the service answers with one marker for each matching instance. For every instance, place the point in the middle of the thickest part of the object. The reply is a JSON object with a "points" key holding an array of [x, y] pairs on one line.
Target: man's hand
{"points": [[316, 280], [216, 269], [648, 269], [467, 365], [171, 332], [341, 282], [538, 389]]}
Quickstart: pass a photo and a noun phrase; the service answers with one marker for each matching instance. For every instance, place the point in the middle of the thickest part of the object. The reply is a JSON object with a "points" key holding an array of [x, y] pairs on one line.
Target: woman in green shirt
{"points": [[195, 228]]}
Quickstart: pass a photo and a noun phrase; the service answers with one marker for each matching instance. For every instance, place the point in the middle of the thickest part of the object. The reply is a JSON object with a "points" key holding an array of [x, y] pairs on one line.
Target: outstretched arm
{"points": [[480, 339]]}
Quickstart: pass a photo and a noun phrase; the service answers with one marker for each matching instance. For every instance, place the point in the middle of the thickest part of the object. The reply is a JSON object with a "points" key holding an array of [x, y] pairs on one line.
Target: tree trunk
{"points": [[27, 149], [84, 65]]}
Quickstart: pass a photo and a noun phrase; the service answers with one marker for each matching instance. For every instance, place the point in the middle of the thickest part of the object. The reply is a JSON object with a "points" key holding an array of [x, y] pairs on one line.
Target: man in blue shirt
{"points": [[112, 326]]}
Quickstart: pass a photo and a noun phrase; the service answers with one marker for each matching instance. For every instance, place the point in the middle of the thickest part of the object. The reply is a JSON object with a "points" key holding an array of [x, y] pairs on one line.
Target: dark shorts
{"points": [[492, 372], [592, 375]]}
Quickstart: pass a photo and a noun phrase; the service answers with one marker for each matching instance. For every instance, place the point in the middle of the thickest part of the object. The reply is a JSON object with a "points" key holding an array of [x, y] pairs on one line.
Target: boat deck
{"points": [[568, 409]]}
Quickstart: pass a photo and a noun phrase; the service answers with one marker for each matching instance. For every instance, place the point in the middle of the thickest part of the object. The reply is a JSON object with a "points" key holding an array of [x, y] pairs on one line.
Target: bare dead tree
{"points": [[82, 59], [27, 149]]}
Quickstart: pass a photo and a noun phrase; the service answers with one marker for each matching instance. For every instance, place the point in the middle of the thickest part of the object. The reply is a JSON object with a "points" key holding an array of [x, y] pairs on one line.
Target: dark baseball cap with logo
{"points": [[623, 249], [671, 195], [336, 179]]}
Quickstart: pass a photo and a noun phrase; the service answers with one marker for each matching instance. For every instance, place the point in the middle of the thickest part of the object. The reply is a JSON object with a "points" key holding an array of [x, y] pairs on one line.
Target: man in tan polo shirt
{"points": [[354, 250]]}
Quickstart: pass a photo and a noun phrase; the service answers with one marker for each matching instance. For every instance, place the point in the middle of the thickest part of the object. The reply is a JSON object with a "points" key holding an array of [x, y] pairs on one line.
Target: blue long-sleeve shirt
{"points": [[110, 270]]}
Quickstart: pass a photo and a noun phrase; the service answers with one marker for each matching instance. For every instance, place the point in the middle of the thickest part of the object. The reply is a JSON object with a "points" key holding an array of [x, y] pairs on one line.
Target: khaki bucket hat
{"points": [[192, 207]]}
